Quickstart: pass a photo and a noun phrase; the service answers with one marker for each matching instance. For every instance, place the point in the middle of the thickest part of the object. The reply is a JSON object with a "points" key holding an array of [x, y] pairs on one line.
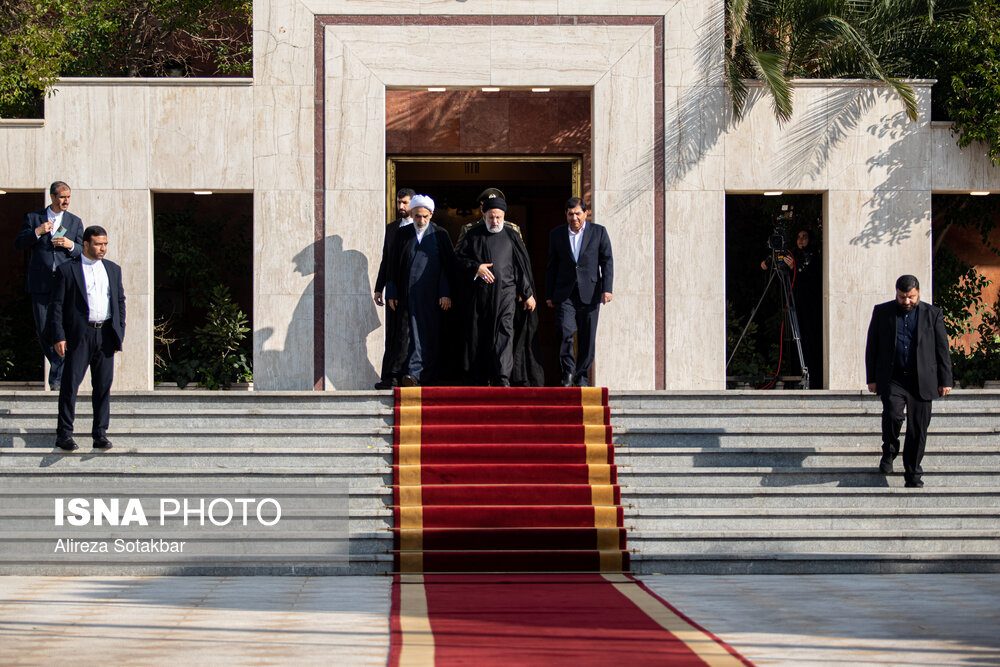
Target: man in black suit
{"points": [[386, 378], [54, 236], [87, 315], [908, 365], [578, 279]]}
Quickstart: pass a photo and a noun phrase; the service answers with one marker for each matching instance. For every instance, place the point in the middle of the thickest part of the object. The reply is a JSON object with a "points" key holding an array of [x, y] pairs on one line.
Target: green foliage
{"points": [[958, 291], [42, 40], [967, 55], [32, 54], [780, 40], [747, 362], [983, 363], [216, 357], [18, 340]]}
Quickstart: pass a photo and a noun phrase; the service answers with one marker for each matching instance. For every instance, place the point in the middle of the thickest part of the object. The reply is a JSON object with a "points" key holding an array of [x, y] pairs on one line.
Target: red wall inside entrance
{"points": [[515, 122]]}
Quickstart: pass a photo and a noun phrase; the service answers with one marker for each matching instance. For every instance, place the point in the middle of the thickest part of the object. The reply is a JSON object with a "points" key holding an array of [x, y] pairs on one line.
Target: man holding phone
{"points": [[54, 236]]}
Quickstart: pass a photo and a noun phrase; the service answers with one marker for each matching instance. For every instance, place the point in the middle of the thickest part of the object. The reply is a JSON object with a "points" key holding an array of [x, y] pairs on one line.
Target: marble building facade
{"points": [[307, 136]]}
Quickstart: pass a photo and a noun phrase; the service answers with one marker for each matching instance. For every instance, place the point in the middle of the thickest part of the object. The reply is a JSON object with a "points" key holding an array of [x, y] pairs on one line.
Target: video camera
{"points": [[778, 241]]}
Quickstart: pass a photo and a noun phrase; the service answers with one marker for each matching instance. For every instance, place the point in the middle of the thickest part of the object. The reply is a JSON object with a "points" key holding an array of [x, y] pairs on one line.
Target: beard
{"points": [[495, 230]]}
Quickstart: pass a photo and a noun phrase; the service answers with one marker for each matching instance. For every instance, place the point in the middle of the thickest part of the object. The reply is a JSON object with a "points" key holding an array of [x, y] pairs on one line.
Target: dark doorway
{"points": [[21, 358], [536, 189], [767, 357], [203, 285]]}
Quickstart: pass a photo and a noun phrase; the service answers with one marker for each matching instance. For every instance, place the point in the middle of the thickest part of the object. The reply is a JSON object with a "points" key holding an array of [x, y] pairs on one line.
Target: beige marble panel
{"points": [[351, 319], [23, 164], [626, 341], [354, 120], [623, 124], [283, 43], [431, 7], [615, 7], [569, 55], [417, 56], [625, 355], [91, 125], [869, 241], [283, 243], [283, 138], [283, 342], [355, 228], [955, 169], [201, 138], [694, 286]]}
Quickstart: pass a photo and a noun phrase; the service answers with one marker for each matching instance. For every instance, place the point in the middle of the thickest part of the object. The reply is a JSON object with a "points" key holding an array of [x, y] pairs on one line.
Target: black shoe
{"points": [[914, 484], [567, 380], [382, 384], [102, 443], [409, 381], [54, 387], [582, 381], [67, 444], [503, 382], [885, 465]]}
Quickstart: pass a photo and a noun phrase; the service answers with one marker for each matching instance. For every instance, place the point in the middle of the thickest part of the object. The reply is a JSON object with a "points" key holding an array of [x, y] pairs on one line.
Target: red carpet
{"points": [[565, 619], [505, 480], [488, 483]]}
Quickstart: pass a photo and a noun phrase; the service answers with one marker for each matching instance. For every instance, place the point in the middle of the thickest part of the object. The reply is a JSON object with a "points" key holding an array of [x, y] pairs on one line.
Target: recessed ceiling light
{"points": [[436, 90], [202, 192], [3, 192], [491, 90], [773, 193], [979, 193], [540, 90]]}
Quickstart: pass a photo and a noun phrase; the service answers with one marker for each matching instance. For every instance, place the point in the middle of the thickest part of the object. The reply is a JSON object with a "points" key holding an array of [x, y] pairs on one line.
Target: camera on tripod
{"points": [[778, 240]]}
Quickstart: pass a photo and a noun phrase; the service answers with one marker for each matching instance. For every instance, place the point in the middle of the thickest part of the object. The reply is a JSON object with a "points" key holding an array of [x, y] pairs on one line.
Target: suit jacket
{"points": [[391, 230], [68, 308], [593, 272], [932, 355], [40, 275]]}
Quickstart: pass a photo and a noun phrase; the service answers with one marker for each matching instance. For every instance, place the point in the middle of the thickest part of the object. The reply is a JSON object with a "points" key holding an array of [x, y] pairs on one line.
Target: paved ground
{"points": [[790, 620]]}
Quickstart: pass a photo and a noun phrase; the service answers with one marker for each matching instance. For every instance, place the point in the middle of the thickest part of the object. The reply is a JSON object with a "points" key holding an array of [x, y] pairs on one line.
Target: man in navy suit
{"points": [[87, 315], [908, 365], [54, 236], [578, 279], [386, 379]]}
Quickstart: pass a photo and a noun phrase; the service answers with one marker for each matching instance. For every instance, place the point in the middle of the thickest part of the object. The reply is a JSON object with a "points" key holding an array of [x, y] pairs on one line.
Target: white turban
{"points": [[422, 201]]}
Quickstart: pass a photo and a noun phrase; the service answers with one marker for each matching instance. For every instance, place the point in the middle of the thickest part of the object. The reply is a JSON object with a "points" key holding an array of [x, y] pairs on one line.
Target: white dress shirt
{"points": [[95, 276], [420, 232], [575, 241]]}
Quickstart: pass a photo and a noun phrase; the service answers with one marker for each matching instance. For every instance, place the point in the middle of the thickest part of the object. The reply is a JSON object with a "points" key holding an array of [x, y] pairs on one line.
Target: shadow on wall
{"points": [[350, 318]]}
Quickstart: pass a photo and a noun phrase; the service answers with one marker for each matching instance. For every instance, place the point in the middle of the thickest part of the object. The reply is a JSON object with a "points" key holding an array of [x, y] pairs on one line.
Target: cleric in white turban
{"points": [[421, 271]]}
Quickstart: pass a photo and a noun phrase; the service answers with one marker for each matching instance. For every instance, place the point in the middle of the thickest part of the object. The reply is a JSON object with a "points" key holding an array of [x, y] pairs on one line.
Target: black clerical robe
{"points": [[420, 273], [501, 339]]}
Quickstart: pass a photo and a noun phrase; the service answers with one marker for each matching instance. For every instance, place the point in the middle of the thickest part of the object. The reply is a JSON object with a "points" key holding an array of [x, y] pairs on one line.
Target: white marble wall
{"points": [[117, 140]]}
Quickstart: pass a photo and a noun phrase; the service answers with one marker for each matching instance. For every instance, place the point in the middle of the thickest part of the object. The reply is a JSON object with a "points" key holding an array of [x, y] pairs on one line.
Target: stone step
{"points": [[124, 457], [870, 438], [242, 421], [792, 422], [797, 399], [942, 476], [806, 457], [827, 519], [819, 498], [815, 541], [814, 563], [184, 401]]}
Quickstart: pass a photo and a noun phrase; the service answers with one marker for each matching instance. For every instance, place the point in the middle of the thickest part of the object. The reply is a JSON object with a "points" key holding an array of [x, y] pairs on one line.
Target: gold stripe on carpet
{"points": [[417, 641], [606, 517], [593, 414], [609, 539], [409, 397], [409, 435], [598, 474], [411, 539], [597, 454], [409, 475], [408, 455], [611, 561], [592, 396], [594, 434], [601, 494], [411, 531], [410, 496], [703, 645]]}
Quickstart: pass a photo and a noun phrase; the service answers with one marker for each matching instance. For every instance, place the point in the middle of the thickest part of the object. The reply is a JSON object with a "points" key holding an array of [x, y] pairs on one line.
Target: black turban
{"points": [[494, 202]]}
